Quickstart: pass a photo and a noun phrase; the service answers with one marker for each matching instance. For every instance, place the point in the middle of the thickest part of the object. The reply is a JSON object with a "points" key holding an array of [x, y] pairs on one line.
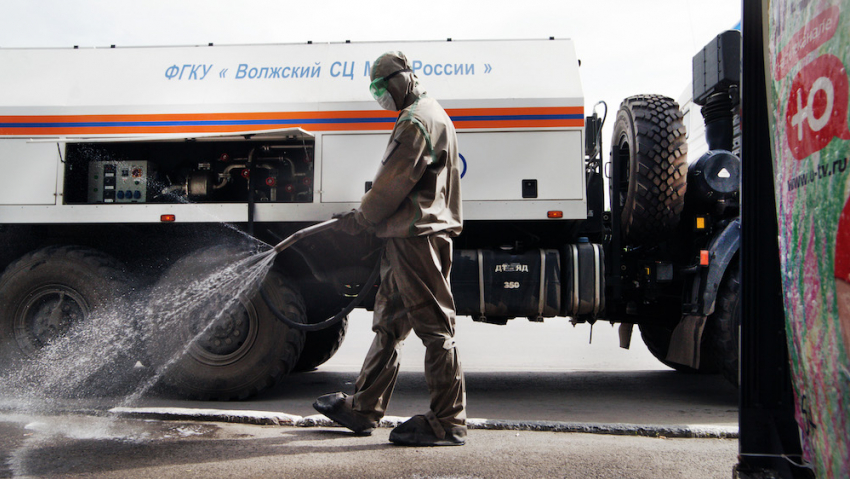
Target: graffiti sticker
{"points": [[817, 106]]}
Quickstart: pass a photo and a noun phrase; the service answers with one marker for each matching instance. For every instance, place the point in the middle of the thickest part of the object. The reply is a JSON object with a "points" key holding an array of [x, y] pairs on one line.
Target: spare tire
{"points": [[229, 346], [649, 153]]}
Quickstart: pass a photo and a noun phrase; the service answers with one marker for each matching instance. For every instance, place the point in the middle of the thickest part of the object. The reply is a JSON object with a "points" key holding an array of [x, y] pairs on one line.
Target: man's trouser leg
{"points": [[417, 283], [374, 386]]}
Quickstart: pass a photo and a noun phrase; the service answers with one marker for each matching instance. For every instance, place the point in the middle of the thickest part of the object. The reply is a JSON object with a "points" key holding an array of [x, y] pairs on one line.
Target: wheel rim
{"points": [[48, 313], [228, 338]]}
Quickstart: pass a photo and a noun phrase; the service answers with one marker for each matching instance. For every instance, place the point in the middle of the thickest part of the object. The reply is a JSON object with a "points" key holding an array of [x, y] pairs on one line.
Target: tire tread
{"points": [[656, 194]]}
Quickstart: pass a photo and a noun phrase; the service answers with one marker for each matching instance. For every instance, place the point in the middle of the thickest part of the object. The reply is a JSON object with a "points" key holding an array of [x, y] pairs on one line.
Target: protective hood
{"points": [[401, 83]]}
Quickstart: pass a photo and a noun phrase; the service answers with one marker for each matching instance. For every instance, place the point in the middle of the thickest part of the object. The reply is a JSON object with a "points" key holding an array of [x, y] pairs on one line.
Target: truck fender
{"points": [[721, 250], [686, 339]]}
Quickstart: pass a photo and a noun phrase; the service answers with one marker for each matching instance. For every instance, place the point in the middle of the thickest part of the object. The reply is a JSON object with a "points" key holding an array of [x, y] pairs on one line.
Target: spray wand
{"points": [[303, 233]]}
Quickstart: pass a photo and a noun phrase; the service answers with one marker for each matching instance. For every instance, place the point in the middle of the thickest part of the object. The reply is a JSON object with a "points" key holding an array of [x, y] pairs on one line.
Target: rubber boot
{"points": [[425, 430], [336, 407]]}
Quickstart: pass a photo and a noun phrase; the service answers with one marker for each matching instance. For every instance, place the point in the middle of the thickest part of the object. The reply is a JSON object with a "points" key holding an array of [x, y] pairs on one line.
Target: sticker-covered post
{"points": [[809, 51]]}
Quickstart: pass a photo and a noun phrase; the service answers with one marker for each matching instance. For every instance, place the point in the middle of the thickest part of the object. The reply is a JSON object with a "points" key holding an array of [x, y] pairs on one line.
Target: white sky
{"points": [[626, 47]]}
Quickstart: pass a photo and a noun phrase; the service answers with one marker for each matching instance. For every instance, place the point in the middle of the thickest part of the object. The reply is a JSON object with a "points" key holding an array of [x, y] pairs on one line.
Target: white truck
{"points": [[119, 162]]}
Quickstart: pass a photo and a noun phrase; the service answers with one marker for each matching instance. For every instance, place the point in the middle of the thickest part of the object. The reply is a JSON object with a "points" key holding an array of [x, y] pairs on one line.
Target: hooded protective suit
{"points": [[415, 203], [416, 191]]}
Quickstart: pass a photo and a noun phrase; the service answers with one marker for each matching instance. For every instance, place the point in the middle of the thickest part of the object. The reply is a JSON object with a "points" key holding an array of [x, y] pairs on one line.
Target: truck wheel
{"points": [[242, 352], [320, 346], [657, 340], [650, 154], [726, 321], [54, 292]]}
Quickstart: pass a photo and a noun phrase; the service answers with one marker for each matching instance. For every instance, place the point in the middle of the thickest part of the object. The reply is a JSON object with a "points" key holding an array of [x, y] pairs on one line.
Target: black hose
{"points": [[373, 278]]}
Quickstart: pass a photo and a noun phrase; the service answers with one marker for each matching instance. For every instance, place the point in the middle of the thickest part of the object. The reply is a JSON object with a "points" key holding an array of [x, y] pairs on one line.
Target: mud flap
{"points": [[685, 341], [625, 333]]}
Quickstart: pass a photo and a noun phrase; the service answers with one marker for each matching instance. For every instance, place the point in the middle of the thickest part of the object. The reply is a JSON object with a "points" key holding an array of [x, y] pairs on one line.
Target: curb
{"points": [[265, 418]]}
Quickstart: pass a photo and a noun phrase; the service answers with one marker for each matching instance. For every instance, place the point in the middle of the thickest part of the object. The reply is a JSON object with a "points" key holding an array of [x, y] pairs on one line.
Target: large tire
{"points": [[242, 348], [649, 151], [64, 322], [657, 340], [726, 322], [320, 346]]}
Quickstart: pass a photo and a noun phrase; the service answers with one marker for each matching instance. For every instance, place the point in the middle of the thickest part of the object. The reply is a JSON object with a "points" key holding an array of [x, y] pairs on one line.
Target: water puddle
{"points": [[49, 445]]}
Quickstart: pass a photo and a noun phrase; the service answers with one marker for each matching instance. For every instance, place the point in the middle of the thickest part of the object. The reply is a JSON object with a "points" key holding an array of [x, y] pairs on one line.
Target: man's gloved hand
{"points": [[347, 223]]}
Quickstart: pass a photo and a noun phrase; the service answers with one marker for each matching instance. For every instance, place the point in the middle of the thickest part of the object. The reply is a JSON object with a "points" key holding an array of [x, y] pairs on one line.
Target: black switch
{"points": [[529, 188]]}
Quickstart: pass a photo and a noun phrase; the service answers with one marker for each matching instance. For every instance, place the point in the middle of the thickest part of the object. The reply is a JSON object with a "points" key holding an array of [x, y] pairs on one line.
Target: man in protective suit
{"points": [[415, 204]]}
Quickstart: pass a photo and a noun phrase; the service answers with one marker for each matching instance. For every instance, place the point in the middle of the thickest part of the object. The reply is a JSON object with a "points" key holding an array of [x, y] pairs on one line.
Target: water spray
{"points": [[289, 241]]}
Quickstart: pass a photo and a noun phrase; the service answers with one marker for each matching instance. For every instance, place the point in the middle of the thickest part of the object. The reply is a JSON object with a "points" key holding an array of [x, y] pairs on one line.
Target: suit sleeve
{"points": [[404, 162]]}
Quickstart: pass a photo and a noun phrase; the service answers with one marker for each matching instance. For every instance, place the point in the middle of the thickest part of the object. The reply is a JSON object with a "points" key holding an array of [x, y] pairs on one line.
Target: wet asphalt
{"points": [[81, 446], [530, 382]]}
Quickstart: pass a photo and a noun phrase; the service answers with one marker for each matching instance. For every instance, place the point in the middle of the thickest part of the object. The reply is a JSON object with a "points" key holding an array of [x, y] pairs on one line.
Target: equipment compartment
{"points": [[196, 171]]}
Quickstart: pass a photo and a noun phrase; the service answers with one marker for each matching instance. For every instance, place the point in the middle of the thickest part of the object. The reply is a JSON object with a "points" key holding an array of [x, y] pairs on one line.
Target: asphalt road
{"points": [[120, 448], [523, 373]]}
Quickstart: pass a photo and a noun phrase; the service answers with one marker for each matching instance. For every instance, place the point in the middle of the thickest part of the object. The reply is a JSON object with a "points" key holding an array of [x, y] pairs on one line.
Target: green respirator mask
{"points": [[379, 91]]}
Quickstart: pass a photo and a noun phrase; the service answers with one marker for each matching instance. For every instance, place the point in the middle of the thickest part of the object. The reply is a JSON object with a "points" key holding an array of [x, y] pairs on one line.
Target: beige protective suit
{"points": [[415, 203]]}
